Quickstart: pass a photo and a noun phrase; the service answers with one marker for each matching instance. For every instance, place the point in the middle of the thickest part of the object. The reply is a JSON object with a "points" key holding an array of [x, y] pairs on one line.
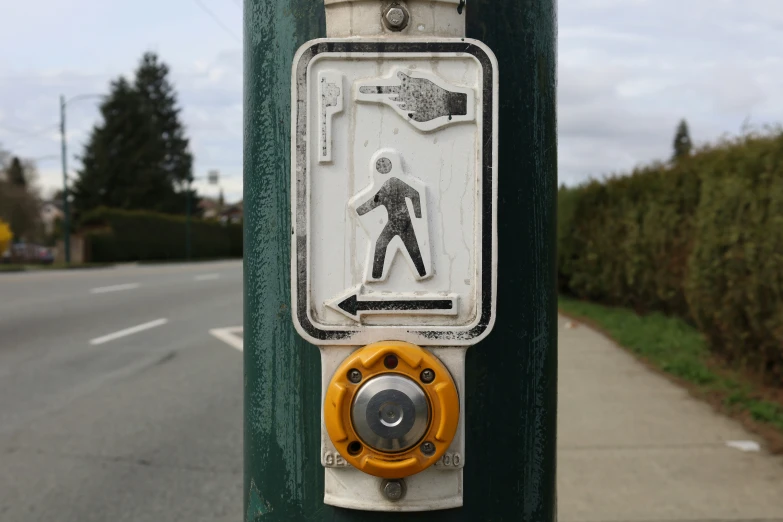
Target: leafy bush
{"points": [[120, 235], [702, 239], [735, 282], [630, 237], [566, 206]]}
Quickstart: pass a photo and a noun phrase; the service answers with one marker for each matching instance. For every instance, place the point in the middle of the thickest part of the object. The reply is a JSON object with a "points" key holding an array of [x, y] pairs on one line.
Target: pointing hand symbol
{"points": [[421, 98]]}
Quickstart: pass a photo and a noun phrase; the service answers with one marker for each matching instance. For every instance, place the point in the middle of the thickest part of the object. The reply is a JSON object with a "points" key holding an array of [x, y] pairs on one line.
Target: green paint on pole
{"points": [[282, 372], [511, 376], [257, 507]]}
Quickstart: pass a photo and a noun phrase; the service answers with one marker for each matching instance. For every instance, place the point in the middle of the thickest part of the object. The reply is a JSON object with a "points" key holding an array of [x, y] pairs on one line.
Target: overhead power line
{"points": [[217, 20], [28, 133]]}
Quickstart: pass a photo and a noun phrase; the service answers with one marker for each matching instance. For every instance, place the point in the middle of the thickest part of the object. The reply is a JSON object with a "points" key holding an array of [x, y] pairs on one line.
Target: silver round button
{"points": [[390, 413]]}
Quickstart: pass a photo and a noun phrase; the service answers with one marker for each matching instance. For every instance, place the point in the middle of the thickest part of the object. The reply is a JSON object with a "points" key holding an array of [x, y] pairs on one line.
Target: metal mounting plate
{"points": [[437, 487]]}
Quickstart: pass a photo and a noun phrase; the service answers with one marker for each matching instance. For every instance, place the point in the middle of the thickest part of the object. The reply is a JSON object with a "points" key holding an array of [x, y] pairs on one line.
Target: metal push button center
{"points": [[391, 409], [390, 413]]}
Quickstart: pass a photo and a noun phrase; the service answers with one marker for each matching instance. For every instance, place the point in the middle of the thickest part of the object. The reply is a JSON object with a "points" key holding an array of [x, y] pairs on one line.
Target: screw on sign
{"points": [[355, 376], [427, 376]]}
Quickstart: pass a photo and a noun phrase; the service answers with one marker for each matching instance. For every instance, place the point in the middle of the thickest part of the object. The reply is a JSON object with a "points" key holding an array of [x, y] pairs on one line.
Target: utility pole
{"points": [[66, 205], [187, 223], [212, 177], [64, 153], [511, 376]]}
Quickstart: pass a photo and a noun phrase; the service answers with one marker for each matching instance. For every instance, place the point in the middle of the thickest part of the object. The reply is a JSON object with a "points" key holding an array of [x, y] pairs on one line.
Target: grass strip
{"points": [[674, 347]]}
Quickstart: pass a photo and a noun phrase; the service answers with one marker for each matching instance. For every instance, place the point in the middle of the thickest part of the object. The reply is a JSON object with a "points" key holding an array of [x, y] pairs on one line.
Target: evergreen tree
{"points": [[19, 201], [15, 173], [4, 157], [138, 158], [682, 142], [168, 158], [110, 159]]}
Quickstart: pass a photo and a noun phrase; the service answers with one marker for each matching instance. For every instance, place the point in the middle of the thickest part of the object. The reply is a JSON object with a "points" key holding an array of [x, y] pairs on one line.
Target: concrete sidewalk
{"points": [[632, 446]]}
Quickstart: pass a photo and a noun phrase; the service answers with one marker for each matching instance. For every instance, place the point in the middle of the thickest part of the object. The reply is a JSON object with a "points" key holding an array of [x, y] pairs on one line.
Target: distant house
{"points": [[51, 211], [226, 213], [233, 213], [209, 208]]}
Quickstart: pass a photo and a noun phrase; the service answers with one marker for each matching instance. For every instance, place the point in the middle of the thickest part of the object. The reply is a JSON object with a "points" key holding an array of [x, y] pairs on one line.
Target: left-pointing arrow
{"points": [[354, 305]]}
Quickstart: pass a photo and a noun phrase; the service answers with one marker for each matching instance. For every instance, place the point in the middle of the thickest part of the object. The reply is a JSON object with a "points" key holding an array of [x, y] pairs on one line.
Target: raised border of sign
{"points": [[424, 335]]}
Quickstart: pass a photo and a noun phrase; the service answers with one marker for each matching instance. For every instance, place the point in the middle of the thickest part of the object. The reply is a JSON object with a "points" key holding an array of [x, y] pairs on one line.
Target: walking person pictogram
{"points": [[403, 198]]}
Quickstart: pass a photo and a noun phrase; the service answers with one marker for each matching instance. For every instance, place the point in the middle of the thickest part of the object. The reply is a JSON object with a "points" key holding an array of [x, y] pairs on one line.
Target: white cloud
{"points": [[88, 43], [629, 70]]}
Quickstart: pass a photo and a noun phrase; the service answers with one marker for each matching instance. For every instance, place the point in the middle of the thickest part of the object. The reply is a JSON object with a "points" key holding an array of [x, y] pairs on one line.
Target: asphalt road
{"points": [[121, 394], [121, 400]]}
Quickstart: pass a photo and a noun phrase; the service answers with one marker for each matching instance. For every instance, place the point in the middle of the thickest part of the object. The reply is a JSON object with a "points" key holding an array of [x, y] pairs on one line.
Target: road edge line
{"points": [[227, 336], [128, 331]]}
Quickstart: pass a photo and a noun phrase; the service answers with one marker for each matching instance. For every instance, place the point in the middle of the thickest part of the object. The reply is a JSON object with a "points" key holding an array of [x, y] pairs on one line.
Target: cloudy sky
{"points": [[628, 71]]}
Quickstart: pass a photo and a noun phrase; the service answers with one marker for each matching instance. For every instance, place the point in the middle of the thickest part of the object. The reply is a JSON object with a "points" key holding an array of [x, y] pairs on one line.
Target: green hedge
{"points": [[702, 240], [119, 235], [735, 280]]}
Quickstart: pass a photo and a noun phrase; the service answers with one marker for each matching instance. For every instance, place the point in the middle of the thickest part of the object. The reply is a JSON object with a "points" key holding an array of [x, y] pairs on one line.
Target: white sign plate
{"points": [[394, 185]]}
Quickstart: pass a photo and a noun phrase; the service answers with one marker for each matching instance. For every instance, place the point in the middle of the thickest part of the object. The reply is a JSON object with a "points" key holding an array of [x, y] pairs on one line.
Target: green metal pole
{"points": [[511, 406], [283, 473], [66, 206], [187, 224]]}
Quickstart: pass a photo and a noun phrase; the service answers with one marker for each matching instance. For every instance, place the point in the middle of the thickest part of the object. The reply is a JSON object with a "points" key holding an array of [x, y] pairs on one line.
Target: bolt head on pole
{"points": [[396, 17], [393, 490]]}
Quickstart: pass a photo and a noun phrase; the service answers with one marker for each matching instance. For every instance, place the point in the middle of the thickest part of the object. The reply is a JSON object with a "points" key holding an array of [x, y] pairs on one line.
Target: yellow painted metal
{"points": [[411, 361]]}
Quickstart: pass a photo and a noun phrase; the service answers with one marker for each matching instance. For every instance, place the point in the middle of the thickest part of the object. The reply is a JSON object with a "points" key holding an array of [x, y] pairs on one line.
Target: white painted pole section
{"points": [[439, 486], [128, 331], [428, 18]]}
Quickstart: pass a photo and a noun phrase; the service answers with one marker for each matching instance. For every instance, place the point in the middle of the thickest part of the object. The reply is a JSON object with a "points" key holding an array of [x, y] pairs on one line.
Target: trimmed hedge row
{"points": [[702, 240], [115, 235]]}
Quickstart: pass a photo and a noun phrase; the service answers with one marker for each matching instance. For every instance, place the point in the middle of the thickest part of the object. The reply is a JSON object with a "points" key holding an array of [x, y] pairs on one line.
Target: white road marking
{"points": [[128, 331], [207, 277], [744, 445], [229, 336], [114, 288]]}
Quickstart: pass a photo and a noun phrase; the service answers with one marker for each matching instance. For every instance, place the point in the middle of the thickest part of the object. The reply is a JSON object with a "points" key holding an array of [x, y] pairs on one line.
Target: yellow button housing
{"points": [[442, 397]]}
